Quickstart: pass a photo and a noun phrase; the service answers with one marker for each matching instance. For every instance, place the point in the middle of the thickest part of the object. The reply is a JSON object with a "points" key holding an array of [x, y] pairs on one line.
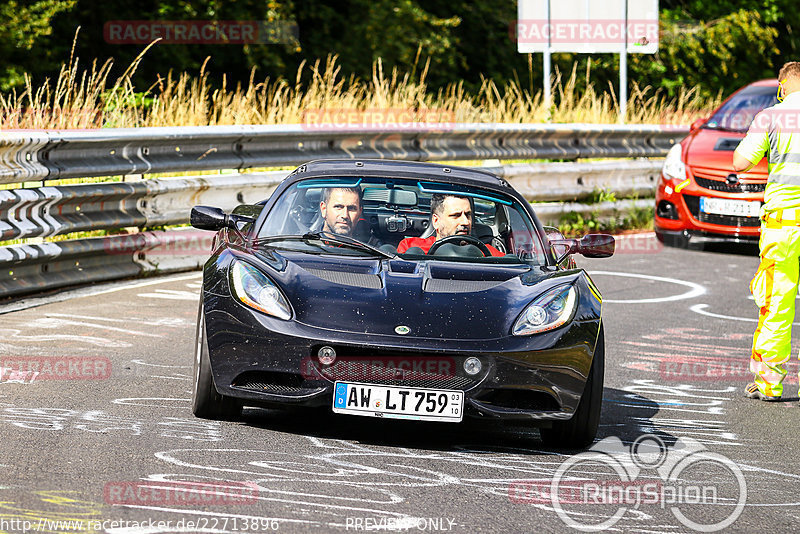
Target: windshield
{"points": [[387, 217], [738, 112]]}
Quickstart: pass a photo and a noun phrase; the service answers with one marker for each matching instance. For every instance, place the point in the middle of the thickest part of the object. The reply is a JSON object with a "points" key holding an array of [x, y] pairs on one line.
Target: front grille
{"points": [[725, 187], [257, 385], [521, 399], [392, 367], [693, 203], [368, 281], [438, 285], [367, 371]]}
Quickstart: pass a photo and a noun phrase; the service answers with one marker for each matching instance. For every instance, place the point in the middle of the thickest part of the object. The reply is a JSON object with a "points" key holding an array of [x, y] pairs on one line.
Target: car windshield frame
{"points": [[738, 112], [388, 200]]}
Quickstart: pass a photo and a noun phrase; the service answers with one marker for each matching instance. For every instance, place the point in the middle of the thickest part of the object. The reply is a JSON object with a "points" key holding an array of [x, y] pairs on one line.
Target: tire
{"points": [[207, 403], [580, 431]]}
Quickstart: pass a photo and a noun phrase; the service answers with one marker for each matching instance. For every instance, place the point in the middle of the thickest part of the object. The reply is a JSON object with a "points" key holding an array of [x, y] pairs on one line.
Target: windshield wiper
{"points": [[326, 237], [723, 128], [346, 241]]}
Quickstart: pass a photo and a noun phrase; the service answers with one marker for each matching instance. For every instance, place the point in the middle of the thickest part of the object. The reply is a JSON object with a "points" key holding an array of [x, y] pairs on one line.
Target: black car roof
{"points": [[411, 169]]}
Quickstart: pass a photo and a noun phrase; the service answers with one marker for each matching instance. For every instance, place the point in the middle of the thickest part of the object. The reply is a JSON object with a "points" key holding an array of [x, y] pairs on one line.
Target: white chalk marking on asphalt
{"points": [[701, 309], [133, 401], [171, 294], [695, 291], [173, 377], [101, 289], [16, 335], [160, 321], [91, 317], [141, 362], [53, 322]]}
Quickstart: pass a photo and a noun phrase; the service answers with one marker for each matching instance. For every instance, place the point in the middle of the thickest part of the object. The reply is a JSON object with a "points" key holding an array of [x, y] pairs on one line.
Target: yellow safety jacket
{"points": [[775, 131]]}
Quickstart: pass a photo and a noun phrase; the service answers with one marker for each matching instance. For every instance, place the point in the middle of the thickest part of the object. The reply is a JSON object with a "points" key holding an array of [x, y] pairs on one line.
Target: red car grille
{"points": [[718, 185]]}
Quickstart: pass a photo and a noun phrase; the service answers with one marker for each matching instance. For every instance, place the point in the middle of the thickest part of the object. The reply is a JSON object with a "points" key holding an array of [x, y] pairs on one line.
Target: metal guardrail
{"points": [[541, 182], [53, 155], [56, 210]]}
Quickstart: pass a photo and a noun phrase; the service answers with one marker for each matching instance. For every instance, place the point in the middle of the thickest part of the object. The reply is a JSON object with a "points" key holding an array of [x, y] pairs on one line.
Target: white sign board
{"points": [[587, 26]]}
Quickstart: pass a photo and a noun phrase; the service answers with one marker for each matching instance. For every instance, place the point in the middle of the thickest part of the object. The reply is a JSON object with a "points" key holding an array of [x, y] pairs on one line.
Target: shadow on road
{"points": [[628, 416], [624, 415], [747, 248]]}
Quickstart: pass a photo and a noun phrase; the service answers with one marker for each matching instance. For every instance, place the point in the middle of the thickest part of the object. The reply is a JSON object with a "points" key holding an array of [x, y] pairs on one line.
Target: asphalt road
{"points": [[113, 446]]}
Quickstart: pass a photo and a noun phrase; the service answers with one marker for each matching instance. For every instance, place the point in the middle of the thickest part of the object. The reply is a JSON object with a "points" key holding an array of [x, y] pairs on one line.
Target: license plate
{"points": [[398, 402], [726, 206]]}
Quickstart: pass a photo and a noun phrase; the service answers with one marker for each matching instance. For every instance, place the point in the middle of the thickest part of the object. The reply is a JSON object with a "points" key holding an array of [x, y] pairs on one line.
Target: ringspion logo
{"points": [[705, 491]]}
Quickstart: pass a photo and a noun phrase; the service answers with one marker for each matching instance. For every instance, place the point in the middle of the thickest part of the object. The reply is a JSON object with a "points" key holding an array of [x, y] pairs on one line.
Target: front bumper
{"points": [[261, 360], [677, 214]]}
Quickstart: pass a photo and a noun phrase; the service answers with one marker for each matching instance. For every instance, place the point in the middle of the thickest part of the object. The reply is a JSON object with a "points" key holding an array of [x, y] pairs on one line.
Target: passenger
{"points": [[340, 209], [450, 215]]}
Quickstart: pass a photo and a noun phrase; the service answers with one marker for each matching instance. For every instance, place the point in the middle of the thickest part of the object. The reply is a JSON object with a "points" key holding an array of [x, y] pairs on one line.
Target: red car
{"points": [[699, 194]]}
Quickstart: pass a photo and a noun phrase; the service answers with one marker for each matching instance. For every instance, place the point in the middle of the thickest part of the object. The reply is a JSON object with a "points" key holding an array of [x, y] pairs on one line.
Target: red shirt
{"points": [[425, 244]]}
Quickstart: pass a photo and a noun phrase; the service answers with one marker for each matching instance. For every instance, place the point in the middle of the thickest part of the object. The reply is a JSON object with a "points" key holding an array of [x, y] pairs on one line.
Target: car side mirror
{"points": [[697, 124], [596, 245], [208, 218]]}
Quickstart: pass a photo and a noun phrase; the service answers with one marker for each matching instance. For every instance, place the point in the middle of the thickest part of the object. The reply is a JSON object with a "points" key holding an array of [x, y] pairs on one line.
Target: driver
{"points": [[340, 209], [450, 215]]}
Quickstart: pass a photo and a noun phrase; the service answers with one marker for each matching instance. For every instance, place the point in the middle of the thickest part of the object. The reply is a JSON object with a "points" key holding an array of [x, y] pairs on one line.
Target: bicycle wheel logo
{"points": [[703, 490]]}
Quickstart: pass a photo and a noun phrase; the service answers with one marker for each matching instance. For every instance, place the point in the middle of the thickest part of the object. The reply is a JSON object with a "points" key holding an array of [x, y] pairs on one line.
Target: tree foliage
{"points": [[23, 32], [713, 46]]}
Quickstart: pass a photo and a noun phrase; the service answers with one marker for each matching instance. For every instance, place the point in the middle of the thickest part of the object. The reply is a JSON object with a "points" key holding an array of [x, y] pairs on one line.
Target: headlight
{"points": [[548, 311], [674, 167], [255, 289]]}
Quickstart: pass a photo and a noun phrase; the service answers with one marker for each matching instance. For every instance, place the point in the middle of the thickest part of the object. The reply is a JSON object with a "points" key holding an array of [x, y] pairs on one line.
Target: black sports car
{"points": [[400, 290]]}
